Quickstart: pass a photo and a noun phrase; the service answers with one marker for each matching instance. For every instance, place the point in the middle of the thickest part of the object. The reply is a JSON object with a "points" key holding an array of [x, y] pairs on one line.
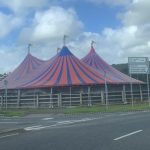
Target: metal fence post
{"points": [[141, 94], [124, 95], [51, 98], [89, 96], [37, 101], [18, 99], [106, 92], [59, 100], [70, 95], [81, 98], [131, 90], [102, 97], [1, 101], [5, 84], [148, 89]]}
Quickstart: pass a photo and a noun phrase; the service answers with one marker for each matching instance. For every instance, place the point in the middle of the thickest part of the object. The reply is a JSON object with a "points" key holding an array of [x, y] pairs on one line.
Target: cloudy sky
{"points": [[120, 28]]}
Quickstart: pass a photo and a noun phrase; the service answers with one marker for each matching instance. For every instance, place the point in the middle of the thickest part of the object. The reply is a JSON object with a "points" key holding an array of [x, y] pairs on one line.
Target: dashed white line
{"points": [[47, 118], [1, 137], [126, 114], [32, 127], [129, 134], [39, 127], [8, 122]]}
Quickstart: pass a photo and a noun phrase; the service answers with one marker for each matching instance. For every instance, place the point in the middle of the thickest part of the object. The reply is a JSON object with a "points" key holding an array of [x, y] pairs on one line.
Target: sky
{"points": [[120, 28]]}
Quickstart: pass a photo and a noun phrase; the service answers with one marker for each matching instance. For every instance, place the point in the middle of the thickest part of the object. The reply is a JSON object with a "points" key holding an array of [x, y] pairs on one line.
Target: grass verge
{"points": [[75, 110], [110, 108]]}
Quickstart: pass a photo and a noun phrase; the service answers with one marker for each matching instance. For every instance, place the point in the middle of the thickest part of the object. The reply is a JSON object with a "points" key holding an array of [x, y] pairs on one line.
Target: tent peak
{"points": [[92, 49], [65, 51], [29, 48]]}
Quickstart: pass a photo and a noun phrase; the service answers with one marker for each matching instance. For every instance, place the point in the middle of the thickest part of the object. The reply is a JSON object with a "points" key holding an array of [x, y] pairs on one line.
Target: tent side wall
{"points": [[70, 96]]}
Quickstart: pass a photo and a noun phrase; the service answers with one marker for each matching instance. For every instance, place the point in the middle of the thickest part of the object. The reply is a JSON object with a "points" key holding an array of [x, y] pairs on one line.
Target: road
{"points": [[116, 131]]}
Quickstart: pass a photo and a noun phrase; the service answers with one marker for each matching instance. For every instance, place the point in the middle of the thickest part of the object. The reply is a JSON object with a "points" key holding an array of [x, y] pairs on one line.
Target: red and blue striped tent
{"points": [[29, 65], [66, 70], [95, 61]]}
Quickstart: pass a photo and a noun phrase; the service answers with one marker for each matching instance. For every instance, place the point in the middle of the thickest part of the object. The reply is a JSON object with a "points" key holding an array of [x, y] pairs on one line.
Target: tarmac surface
{"points": [[106, 131]]}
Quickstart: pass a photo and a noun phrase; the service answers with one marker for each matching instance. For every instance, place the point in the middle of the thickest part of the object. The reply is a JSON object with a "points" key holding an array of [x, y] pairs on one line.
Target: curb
{"points": [[7, 131]]}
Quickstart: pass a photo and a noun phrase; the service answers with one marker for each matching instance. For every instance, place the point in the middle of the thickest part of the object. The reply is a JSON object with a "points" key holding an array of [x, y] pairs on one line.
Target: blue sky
{"points": [[119, 28], [96, 17]]}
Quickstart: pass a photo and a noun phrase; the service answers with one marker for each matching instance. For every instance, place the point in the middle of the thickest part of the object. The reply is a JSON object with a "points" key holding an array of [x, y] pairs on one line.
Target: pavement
{"points": [[107, 131]]}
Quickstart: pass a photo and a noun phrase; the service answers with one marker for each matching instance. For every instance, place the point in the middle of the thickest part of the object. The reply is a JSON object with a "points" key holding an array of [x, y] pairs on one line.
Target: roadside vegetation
{"points": [[75, 110]]}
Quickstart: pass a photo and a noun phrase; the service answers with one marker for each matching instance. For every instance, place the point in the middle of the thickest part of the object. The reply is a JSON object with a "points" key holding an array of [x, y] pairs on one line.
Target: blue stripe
{"points": [[65, 52], [54, 72], [96, 75], [84, 71], [68, 73], [81, 80], [60, 73], [51, 66]]}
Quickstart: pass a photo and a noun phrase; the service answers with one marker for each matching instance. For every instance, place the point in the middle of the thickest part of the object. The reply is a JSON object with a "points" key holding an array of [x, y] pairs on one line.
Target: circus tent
{"points": [[29, 65], [95, 61], [66, 70]]}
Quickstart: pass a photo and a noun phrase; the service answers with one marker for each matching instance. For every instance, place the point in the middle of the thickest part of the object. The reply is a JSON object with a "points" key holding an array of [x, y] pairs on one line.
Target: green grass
{"points": [[75, 110], [110, 108], [26, 111], [11, 113]]}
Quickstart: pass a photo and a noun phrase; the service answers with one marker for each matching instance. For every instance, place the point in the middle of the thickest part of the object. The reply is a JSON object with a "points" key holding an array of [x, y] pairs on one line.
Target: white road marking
{"points": [[1, 137], [32, 127], [65, 122], [8, 122], [5, 119], [47, 118], [58, 124], [129, 113], [129, 134]]}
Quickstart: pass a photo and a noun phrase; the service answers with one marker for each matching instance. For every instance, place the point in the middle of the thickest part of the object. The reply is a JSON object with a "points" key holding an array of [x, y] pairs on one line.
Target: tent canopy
{"points": [[95, 61], [67, 70]]}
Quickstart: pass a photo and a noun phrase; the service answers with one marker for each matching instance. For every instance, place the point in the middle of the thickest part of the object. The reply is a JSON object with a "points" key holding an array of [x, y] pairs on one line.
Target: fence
{"points": [[18, 100]]}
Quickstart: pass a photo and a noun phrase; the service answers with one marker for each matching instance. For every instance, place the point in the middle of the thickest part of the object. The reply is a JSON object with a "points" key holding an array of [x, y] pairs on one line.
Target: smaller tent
{"points": [[29, 65], [95, 61]]}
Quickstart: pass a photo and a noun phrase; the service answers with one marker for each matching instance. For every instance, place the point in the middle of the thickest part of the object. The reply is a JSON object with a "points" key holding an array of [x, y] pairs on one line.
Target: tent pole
{"points": [[141, 95], [51, 104], [106, 91], [124, 94], [89, 97], [148, 89], [70, 95], [18, 99], [131, 88]]}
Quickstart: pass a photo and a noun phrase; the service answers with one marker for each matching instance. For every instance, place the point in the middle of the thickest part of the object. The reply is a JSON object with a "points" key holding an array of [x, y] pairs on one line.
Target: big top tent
{"points": [[67, 70], [95, 61]]}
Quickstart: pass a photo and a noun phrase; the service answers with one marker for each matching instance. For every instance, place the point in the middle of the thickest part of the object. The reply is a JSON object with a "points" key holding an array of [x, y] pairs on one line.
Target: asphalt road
{"points": [[117, 131]]}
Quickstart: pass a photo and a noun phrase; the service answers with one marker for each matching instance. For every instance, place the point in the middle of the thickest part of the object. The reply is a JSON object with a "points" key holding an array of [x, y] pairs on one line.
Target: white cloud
{"points": [[132, 38], [138, 13], [20, 6], [48, 26], [45, 32], [11, 57], [8, 23], [52, 24]]}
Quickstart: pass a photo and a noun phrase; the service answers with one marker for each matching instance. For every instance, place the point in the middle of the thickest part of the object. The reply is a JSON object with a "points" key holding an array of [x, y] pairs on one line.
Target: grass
{"points": [[110, 108], [75, 110], [26, 111], [11, 113]]}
